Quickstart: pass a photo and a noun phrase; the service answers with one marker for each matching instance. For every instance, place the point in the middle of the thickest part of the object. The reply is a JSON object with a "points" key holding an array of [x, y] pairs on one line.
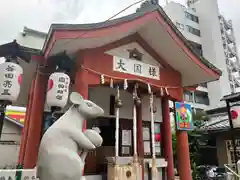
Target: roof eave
{"points": [[94, 26]]}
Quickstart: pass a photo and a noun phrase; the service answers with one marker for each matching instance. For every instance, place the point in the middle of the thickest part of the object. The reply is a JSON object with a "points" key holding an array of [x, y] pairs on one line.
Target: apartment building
{"points": [[211, 36], [230, 51]]}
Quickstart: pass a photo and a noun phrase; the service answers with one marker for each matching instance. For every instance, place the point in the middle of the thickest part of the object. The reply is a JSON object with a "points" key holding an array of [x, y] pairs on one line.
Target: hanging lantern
{"points": [[10, 81], [235, 111], [58, 90]]}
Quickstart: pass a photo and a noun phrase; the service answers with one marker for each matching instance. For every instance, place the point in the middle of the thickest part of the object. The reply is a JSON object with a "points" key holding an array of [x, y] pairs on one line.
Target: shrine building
{"points": [[140, 55]]}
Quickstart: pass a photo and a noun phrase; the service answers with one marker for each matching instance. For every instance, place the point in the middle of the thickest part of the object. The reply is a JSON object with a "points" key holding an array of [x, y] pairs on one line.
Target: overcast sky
{"points": [[39, 14]]}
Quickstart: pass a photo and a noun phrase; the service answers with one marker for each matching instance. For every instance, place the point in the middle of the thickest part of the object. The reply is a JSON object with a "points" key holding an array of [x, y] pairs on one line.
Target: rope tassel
{"points": [[125, 85], [154, 168], [102, 79], [161, 91], [111, 83], [149, 89]]}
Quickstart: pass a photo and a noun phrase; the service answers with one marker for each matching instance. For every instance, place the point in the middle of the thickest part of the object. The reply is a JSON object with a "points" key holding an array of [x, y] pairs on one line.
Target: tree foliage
{"points": [[196, 139]]}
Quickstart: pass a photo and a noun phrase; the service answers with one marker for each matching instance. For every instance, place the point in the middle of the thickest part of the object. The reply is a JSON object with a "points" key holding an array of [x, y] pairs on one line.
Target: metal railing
{"points": [[231, 171]]}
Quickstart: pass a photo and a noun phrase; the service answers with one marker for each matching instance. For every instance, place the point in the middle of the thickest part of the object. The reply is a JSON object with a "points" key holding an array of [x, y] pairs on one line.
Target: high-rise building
{"points": [[211, 36]]}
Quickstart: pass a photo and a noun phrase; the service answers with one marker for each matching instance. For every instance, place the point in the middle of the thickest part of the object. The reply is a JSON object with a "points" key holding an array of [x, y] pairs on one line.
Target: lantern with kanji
{"points": [[235, 112], [10, 81], [58, 90]]}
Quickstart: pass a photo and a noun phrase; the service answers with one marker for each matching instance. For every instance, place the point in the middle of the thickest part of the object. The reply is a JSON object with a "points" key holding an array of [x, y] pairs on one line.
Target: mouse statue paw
{"points": [[94, 137], [82, 178]]}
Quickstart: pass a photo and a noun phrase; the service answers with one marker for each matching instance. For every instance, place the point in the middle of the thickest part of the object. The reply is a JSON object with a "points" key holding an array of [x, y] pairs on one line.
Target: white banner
{"points": [[10, 174], [135, 67], [7, 174]]}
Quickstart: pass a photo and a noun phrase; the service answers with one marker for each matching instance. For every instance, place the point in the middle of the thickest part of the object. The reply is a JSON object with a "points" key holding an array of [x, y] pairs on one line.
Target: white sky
{"points": [[39, 14]]}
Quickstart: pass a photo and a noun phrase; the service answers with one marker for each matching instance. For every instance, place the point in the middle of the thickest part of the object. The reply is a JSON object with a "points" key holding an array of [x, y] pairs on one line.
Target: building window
{"points": [[188, 96], [203, 85], [179, 26], [193, 30], [191, 17], [201, 97], [196, 47]]}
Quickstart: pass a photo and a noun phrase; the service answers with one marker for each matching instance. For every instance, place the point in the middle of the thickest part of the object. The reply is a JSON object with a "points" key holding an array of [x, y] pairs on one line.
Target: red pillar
{"points": [[140, 146], [35, 121], [26, 124], [184, 167], [167, 138]]}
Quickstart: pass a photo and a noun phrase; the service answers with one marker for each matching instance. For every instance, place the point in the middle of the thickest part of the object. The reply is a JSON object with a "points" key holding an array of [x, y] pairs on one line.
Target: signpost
{"points": [[183, 115], [135, 67]]}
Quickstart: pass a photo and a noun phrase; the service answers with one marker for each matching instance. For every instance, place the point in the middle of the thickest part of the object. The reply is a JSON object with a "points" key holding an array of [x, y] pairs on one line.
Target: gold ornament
{"points": [[118, 103]]}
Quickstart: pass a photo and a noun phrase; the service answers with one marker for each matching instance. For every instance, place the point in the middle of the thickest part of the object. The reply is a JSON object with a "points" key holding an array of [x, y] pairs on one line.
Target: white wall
{"points": [[31, 41], [208, 13], [176, 12], [9, 152], [101, 96]]}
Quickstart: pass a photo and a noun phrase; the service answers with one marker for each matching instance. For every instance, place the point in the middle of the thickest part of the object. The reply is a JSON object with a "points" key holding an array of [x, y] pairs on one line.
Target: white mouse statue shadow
{"points": [[58, 157]]}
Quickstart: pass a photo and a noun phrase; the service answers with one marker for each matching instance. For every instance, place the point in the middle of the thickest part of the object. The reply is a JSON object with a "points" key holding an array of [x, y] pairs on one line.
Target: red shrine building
{"points": [[137, 53]]}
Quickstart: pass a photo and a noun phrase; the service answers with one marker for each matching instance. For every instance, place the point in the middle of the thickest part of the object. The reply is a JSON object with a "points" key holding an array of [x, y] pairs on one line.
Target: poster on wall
{"points": [[157, 134], [125, 150], [126, 137], [147, 147], [146, 134], [183, 116]]}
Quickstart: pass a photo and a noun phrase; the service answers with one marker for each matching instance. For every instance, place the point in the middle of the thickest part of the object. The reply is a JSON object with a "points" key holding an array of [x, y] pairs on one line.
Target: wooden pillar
{"points": [[183, 156], [140, 146], [167, 138], [26, 125], [35, 120]]}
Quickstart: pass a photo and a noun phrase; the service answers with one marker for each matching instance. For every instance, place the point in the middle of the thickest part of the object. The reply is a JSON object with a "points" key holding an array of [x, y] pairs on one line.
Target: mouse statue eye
{"points": [[89, 105]]}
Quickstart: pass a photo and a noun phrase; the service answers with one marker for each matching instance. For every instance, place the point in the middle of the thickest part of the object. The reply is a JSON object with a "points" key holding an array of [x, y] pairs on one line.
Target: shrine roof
{"points": [[140, 12]]}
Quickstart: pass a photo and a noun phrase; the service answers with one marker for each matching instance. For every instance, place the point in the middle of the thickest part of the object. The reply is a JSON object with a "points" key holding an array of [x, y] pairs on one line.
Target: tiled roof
{"points": [[218, 123], [146, 7]]}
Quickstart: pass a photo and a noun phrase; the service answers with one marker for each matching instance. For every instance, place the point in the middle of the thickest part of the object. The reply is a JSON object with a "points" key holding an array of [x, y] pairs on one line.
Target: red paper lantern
{"points": [[158, 137], [20, 79], [234, 114], [50, 84]]}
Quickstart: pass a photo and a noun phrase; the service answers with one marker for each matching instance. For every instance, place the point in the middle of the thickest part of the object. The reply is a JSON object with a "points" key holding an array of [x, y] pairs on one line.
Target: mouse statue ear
{"points": [[76, 98]]}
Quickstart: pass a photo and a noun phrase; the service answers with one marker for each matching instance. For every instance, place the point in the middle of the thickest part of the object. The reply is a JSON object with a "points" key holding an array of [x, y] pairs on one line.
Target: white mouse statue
{"points": [[58, 157]]}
